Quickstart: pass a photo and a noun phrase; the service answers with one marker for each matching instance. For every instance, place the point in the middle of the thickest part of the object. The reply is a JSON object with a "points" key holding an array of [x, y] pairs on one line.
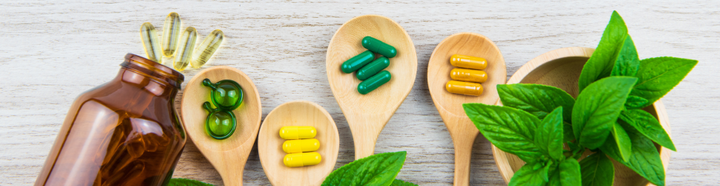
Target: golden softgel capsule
{"points": [[302, 159], [468, 75], [185, 48], [466, 88], [150, 42], [171, 30], [297, 132], [207, 48], [471, 62], [303, 145]]}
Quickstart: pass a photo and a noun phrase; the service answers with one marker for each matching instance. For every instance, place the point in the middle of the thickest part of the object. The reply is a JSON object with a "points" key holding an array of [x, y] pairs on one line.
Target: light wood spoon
{"points": [[367, 114], [449, 105], [229, 155], [297, 113]]}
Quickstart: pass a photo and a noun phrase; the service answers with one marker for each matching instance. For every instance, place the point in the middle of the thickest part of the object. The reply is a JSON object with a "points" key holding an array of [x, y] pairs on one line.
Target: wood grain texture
{"points": [[53, 51]]}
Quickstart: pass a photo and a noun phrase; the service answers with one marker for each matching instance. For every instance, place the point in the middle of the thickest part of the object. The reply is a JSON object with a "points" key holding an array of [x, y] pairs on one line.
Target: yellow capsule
{"points": [[302, 159], [171, 30], [297, 132], [468, 62], [303, 145], [468, 75], [150, 42], [207, 48], [185, 48], [467, 88]]}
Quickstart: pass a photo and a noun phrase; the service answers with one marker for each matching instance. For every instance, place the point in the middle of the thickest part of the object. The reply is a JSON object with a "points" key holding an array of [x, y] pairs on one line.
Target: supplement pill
{"points": [[303, 145], [467, 88], [379, 47], [151, 42], [171, 30], [219, 124], [471, 62], [297, 132], [373, 68], [185, 48], [374, 82], [468, 75], [357, 62], [302, 159], [207, 48]]}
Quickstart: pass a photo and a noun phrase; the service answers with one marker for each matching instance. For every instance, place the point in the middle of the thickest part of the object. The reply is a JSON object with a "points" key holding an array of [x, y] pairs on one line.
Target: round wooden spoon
{"points": [[229, 155], [449, 105], [297, 113], [367, 114]]}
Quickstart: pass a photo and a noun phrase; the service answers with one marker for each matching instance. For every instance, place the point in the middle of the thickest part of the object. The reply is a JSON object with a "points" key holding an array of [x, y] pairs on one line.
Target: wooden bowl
{"points": [[561, 68]]}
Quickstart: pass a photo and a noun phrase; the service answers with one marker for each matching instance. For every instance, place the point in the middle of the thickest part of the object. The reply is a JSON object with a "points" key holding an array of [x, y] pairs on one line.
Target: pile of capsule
{"points": [[369, 70], [226, 95], [299, 145], [467, 81], [181, 49]]}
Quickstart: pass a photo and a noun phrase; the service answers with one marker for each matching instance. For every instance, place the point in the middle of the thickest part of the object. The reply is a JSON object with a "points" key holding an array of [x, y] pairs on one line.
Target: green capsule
{"points": [[185, 48], [374, 82], [373, 68], [171, 30], [226, 94], [207, 48], [220, 124], [357, 62], [150, 42], [379, 47]]}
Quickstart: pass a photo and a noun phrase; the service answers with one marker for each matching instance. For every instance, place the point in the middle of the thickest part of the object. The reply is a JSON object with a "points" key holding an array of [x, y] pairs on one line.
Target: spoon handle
{"points": [[463, 136], [364, 138]]}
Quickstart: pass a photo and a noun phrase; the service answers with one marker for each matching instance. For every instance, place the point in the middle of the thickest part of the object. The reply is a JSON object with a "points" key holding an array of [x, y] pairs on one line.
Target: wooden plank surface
{"points": [[53, 51]]}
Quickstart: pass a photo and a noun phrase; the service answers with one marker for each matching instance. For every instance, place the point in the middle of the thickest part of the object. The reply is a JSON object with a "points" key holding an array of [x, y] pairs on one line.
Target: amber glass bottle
{"points": [[125, 132]]}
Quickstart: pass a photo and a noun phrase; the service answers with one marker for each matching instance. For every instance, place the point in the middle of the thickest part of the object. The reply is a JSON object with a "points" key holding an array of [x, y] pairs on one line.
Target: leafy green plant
{"points": [[186, 182], [549, 129], [377, 170]]}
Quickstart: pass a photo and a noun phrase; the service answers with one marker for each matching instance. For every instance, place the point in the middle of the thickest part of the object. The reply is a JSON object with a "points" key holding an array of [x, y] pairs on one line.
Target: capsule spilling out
{"points": [[151, 42], [302, 159], [171, 30], [207, 48], [297, 132], [303, 145], [185, 48]]}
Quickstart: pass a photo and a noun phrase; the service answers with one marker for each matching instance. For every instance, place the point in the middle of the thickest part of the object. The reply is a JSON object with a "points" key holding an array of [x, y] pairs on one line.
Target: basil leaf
{"points": [[555, 178], [597, 170], [570, 172], [645, 159], [657, 76], [648, 125], [635, 102], [186, 182], [402, 183], [602, 60], [549, 135], [536, 99], [528, 176], [623, 141], [378, 169], [509, 129], [597, 109], [568, 132], [627, 61]]}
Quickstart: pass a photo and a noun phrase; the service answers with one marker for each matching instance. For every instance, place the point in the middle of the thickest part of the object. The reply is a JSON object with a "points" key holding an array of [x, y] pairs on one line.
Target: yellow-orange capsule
{"points": [[468, 75], [303, 145], [302, 159], [464, 61], [297, 132], [466, 88]]}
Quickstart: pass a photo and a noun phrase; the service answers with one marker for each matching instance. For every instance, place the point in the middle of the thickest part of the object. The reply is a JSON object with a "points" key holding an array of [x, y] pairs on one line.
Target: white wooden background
{"points": [[50, 52]]}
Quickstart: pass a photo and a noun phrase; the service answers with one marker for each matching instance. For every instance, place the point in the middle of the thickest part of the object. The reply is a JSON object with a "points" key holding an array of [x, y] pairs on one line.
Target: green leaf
{"points": [[186, 182], [657, 76], [648, 125], [635, 102], [569, 170], [509, 129], [555, 178], [402, 183], [627, 62], [536, 99], [528, 176], [645, 159], [568, 132], [597, 170], [378, 169], [602, 60], [597, 109], [549, 135], [623, 141]]}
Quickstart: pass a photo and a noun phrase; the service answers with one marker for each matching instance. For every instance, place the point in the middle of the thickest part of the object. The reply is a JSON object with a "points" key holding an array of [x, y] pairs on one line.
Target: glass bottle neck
{"points": [[154, 77]]}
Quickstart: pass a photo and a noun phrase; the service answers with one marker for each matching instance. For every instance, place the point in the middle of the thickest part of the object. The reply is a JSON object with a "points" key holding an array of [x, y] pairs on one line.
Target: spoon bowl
{"points": [[229, 155], [297, 113], [449, 105], [367, 114]]}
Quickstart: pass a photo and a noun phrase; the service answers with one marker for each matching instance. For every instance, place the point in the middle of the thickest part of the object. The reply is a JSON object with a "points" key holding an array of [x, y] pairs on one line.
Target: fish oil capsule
{"points": [[171, 30], [468, 75], [297, 132], [357, 62], [303, 145], [466, 88], [379, 47], [150, 42], [207, 48], [373, 68], [374, 82], [185, 48], [471, 62], [302, 159]]}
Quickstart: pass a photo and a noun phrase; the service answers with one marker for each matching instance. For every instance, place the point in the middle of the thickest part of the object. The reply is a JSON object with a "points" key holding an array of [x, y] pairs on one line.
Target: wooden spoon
{"points": [[297, 113], [367, 114], [228, 156], [449, 105]]}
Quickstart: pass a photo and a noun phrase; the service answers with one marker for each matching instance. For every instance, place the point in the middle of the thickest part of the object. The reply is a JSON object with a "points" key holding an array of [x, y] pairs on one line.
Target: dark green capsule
{"points": [[357, 62], [373, 68], [379, 47], [220, 124], [226, 94], [374, 82]]}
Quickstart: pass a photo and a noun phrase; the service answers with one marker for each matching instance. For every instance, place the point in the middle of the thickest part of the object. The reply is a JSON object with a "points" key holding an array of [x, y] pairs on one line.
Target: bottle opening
{"points": [[154, 70]]}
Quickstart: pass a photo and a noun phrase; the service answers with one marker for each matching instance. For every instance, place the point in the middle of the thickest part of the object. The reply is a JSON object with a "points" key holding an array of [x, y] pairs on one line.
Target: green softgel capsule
{"points": [[357, 62], [374, 82], [373, 68], [379, 47], [220, 124], [225, 94]]}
